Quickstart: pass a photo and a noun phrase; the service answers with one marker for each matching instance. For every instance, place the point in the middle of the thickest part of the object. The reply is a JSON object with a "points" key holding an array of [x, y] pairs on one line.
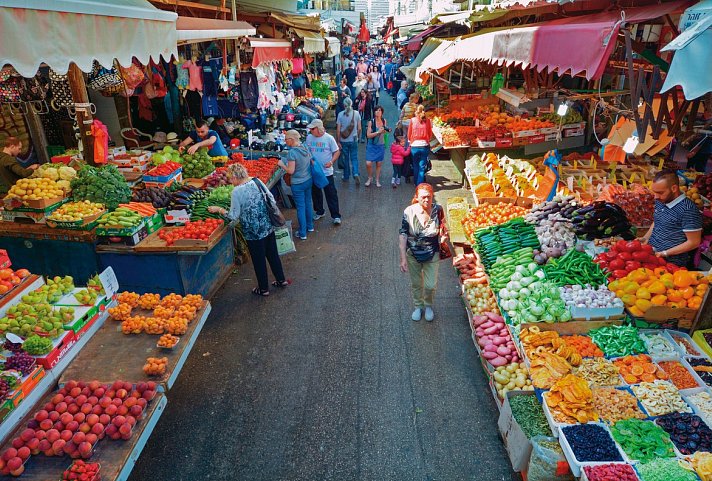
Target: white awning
{"points": [[194, 30], [313, 41], [59, 32], [333, 47]]}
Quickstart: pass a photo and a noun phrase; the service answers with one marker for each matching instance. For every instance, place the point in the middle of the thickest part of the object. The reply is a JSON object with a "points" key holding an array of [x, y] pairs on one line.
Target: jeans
{"points": [[332, 198], [364, 125], [420, 163], [397, 171], [303, 201], [263, 250], [349, 152]]}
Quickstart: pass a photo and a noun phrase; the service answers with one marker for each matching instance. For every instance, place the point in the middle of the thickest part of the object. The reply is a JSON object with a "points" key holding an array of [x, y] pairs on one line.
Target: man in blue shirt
{"points": [[677, 222], [202, 136]]}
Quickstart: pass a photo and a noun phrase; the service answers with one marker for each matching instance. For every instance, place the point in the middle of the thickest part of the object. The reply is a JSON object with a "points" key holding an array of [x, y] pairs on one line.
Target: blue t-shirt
{"points": [[216, 149]]}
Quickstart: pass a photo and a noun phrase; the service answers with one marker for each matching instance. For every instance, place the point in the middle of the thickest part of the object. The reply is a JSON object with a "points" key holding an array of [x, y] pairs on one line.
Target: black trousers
{"points": [[262, 251], [332, 198]]}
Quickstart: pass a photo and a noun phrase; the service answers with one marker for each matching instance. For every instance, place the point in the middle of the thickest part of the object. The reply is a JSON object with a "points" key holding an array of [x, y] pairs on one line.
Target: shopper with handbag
{"points": [[298, 165], [253, 205], [348, 131], [423, 242]]}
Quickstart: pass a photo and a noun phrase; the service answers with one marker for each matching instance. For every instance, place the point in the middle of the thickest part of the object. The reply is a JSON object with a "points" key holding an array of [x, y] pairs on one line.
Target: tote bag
{"points": [[276, 217], [318, 176]]}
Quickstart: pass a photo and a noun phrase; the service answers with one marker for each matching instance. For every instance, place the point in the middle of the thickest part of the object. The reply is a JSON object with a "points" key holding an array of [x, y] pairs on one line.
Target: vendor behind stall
{"points": [[677, 223], [202, 136], [10, 169]]}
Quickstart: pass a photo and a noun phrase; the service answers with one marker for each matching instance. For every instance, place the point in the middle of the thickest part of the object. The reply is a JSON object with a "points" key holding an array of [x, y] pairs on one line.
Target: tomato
{"points": [[620, 245], [647, 248], [640, 256], [632, 265], [617, 264], [660, 260], [619, 274], [632, 246], [625, 255]]}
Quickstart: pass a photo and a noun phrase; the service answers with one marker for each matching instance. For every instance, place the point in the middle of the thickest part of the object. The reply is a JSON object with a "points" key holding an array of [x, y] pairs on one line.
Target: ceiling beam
{"points": [[188, 4]]}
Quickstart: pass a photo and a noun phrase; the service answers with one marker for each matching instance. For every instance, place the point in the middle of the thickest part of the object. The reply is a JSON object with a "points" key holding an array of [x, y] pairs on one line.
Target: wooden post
{"points": [[83, 111], [37, 134]]}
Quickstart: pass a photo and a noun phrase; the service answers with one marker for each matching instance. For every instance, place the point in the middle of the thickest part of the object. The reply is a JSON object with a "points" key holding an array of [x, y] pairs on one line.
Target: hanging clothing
{"points": [[211, 75], [249, 90], [101, 141], [145, 110], [182, 78], [194, 103], [195, 75]]}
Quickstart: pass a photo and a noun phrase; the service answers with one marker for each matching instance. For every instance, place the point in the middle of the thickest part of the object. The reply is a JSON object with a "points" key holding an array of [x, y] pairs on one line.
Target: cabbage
{"points": [[67, 173]]}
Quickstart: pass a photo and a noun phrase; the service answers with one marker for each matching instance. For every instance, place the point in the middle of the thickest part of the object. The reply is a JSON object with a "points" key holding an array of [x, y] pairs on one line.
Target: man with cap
{"points": [[324, 150], [202, 136]]}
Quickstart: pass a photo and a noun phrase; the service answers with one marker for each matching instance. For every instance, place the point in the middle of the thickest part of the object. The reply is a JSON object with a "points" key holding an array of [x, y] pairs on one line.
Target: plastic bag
{"points": [[547, 462], [285, 239]]}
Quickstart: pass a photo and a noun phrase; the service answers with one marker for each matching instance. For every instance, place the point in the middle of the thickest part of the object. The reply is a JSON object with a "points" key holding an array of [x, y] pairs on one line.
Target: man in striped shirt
{"points": [[677, 228]]}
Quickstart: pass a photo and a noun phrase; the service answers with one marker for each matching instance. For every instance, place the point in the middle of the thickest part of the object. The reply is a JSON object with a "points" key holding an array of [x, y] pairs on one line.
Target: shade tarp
{"points": [[428, 47], [451, 17], [59, 32], [269, 50], [333, 46], [415, 42], [439, 60], [313, 42], [194, 30], [693, 52], [297, 21], [592, 39]]}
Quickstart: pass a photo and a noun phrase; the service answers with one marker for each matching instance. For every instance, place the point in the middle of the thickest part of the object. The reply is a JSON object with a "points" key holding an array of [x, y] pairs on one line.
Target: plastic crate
{"points": [[53, 150]]}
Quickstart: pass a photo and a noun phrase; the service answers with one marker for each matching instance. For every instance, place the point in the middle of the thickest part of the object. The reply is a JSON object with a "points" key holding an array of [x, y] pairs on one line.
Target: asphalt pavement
{"points": [[329, 379]]}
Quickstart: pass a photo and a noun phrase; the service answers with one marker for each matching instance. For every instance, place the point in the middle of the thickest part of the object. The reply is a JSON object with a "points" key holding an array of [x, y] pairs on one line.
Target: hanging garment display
{"points": [[195, 82], [297, 65], [101, 141], [145, 110], [159, 83], [61, 93], [194, 103], [248, 89], [211, 71], [182, 79]]}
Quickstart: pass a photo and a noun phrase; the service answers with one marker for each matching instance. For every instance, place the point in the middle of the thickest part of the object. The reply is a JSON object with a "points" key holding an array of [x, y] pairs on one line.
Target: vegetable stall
{"points": [[592, 344]]}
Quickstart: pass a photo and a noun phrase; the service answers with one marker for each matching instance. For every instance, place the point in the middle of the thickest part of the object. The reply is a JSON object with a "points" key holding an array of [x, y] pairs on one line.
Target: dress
{"points": [[376, 147]]}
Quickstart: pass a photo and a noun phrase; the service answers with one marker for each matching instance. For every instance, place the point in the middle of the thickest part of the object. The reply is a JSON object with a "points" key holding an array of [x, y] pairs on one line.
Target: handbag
{"points": [[61, 93], [444, 250], [11, 90], [34, 89], [133, 76], [318, 176], [346, 133], [101, 78], [275, 216]]}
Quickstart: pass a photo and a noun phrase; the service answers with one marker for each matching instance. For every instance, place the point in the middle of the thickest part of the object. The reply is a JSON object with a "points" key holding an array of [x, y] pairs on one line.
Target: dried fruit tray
{"points": [[576, 465]]}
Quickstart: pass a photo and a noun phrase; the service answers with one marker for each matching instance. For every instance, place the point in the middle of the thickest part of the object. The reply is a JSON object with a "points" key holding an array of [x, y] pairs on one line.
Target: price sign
{"points": [[109, 282], [660, 164]]}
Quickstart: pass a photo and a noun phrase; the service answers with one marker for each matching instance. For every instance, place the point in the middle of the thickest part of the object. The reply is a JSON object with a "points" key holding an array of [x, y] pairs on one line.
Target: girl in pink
{"points": [[398, 153]]}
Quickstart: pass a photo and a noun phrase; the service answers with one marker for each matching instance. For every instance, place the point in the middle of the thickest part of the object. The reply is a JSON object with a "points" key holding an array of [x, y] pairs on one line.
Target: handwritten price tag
{"points": [[109, 282]]}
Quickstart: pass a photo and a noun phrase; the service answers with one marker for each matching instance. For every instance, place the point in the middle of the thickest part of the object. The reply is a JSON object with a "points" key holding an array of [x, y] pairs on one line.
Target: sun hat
{"points": [[292, 134], [316, 123]]}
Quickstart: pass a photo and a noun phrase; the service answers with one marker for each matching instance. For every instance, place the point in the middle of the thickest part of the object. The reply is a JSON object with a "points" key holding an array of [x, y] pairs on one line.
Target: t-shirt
{"points": [[322, 149], [216, 149], [350, 74], [672, 220], [196, 75], [302, 164], [11, 171], [344, 120]]}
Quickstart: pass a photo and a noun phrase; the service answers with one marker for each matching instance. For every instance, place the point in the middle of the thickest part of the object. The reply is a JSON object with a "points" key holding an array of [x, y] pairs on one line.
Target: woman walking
{"points": [[364, 105], [421, 233], [376, 145], [374, 84], [420, 131], [298, 165], [249, 206]]}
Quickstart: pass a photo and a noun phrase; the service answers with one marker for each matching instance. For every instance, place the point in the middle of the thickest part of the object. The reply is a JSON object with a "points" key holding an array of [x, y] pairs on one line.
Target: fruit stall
{"points": [[86, 371], [141, 212], [591, 343]]}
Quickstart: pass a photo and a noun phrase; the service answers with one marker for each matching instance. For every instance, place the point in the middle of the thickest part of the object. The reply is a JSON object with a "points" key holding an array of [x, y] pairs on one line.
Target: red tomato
{"points": [[603, 264], [632, 265], [632, 246], [617, 264], [625, 255], [647, 248]]}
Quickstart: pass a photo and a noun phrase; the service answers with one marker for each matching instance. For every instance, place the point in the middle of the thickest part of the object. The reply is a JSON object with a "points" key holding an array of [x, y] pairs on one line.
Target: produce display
{"points": [[513, 237], [198, 230], [678, 374], [485, 215], [703, 368], [81, 471], [601, 219], [35, 189], [501, 271], [610, 472], [688, 432], [60, 173], [216, 179], [104, 185], [570, 401], [614, 405], [22, 362], [591, 442], [598, 372], [685, 345], [167, 154], [186, 197], [527, 297], [642, 440], [25, 319], [121, 218], [618, 340], [219, 197], [640, 368], [702, 462], [470, 268], [511, 377], [637, 202], [703, 402], [165, 169], [479, 298], [262, 168], [659, 398], [155, 366], [589, 297], [556, 236], [658, 345], [560, 207], [664, 469], [494, 339], [703, 184], [157, 197], [583, 345], [197, 165], [528, 413], [37, 345], [146, 209], [574, 268], [167, 341], [626, 256], [76, 211]]}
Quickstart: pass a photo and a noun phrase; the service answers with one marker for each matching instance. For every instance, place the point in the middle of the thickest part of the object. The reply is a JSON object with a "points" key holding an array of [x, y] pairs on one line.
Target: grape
{"points": [[4, 389], [22, 362], [12, 347]]}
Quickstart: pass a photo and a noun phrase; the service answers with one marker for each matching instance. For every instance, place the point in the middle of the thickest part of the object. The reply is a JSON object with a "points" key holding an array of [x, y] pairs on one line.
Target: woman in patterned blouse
{"points": [[248, 206]]}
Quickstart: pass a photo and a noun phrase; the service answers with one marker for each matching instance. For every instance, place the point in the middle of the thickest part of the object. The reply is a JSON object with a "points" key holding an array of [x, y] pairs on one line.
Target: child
{"points": [[398, 153]]}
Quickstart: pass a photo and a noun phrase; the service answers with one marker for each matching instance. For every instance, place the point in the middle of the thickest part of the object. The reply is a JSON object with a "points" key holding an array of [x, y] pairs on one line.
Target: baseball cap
{"points": [[292, 134], [316, 123]]}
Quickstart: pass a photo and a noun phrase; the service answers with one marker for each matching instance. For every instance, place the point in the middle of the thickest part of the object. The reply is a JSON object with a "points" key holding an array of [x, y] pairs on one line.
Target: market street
{"points": [[329, 379]]}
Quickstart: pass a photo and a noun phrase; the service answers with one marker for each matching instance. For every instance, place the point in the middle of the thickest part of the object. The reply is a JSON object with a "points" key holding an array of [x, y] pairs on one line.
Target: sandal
{"points": [[284, 283], [258, 292]]}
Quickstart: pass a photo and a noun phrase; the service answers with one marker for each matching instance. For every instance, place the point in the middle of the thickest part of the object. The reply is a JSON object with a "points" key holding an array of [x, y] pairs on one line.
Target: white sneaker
{"points": [[397, 180], [318, 216], [416, 314], [429, 314], [337, 221]]}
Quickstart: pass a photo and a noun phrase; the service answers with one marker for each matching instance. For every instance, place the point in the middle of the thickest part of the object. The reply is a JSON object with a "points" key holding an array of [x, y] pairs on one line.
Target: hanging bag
{"points": [[33, 89], [59, 88], [11, 90], [318, 175], [102, 78], [444, 251], [275, 216]]}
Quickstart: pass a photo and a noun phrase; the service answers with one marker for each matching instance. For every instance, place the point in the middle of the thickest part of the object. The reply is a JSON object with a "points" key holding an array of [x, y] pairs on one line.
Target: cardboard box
{"points": [[127, 240], [141, 169], [550, 137], [163, 185], [537, 139], [87, 223], [163, 178], [524, 133], [154, 222], [503, 142], [43, 203], [61, 348], [518, 446], [662, 314], [485, 144], [119, 232]]}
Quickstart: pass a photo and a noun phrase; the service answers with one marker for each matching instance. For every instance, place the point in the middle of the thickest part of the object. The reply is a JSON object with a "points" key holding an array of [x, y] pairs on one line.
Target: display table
{"points": [[112, 355], [117, 458], [179, 272], [51, 252]]}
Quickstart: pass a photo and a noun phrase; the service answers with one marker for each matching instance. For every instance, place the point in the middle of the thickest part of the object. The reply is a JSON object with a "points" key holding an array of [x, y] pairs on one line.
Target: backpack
{"points": [[346, 133]]}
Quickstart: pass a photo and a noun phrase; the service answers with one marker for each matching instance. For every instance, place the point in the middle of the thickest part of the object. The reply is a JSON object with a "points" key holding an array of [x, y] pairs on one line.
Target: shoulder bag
{"points": [[346, 133], [275, 216], [444, 251]]}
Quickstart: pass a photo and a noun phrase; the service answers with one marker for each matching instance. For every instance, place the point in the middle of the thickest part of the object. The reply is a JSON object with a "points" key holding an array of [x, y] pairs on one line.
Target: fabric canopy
{"points": [[269, 50], [692, 51], [415, 42], [428, 47], [451, 17], [333, 47], [592, 38], [439, 60], [313, 42], [59, 32], [194, 30]]}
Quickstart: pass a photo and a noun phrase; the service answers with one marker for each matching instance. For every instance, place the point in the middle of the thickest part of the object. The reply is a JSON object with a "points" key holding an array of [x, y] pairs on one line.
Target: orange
{"points": [[647, 378], [637, 370]]}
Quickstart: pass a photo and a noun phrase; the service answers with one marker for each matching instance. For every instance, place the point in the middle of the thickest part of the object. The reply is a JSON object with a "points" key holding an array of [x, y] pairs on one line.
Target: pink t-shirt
{"points": [[362, 68], [196, 77]]}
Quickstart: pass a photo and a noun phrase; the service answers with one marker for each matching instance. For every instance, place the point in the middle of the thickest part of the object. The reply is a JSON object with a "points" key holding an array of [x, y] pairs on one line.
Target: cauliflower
{"points": [[50, 173], [64, 185], [67, 173]]}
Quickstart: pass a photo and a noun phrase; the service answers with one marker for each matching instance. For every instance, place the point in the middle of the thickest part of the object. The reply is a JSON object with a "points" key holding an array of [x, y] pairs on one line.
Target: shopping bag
{"points": [[285, 240], [318, 176]]}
